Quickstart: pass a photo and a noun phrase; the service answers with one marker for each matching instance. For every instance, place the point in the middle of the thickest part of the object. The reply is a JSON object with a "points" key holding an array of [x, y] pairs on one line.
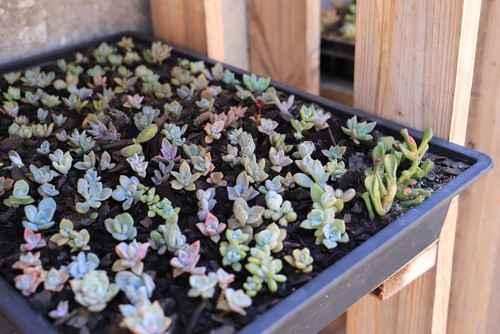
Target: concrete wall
{"points": [[29, 27]]}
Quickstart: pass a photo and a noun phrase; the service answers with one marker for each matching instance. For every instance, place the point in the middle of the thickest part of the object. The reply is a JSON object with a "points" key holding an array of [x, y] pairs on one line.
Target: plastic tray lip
{"points": [[479, 165]]}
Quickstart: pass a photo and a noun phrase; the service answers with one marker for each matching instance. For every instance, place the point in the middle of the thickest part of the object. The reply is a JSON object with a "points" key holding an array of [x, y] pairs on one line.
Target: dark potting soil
{"points": [[190, 315]]}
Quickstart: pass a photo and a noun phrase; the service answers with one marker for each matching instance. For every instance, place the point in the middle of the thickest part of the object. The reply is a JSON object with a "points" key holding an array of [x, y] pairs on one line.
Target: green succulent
{"points": [[82, 264], [381, 188], [265, 268], [184, 179], [186, 260], [138, 165], [94, 291], [121, 227], [173, 110], [40, 218], [92, 191], [54, 280], [272, 237], [77, 240], [129, 191], [161, 207], [331, 233], [167, 237], [256, 84], [145, 318], [278, 210], [20, 195], [301, 259], [358, 131], [137, 288], [202, 285], [234, 249], [234, 301], [245, 217], [174, 133], [130, 256]]}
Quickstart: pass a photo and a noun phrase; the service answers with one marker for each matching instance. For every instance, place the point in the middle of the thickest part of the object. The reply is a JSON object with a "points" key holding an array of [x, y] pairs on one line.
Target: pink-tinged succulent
{"points": [[186, 260], [224, 278], [28, 260], [237, 111], [234, 301], [28, 281], [131, 256], [54, 280], [213, 131], [217, 179], [211, 227], [33, 241], [61, 311], [5, 184], [168, 152], [145, 318], [133, 101]]}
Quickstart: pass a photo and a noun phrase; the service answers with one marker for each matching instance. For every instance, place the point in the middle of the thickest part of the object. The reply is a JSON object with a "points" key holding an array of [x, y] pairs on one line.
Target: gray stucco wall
{"points": [[29, 27]]}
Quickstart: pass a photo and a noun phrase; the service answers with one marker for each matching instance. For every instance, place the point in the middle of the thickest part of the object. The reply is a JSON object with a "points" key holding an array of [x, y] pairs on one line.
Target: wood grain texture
{"points": [[414, 65], [475, 301], [418, 266], [285, 41], [227, 31], [180, 22]]}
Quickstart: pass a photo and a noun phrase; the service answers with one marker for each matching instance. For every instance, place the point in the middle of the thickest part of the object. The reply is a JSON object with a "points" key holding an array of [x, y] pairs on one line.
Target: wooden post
{"points": [[474, 300], [285, 41], [414, 64], [181, 22]]}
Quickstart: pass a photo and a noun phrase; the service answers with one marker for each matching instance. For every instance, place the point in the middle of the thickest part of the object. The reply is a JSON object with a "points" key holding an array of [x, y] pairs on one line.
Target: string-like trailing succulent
{"points": [[94, 290]]}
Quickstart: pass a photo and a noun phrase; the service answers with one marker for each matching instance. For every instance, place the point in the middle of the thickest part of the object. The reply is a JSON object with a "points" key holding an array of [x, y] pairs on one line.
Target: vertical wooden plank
{"points": [[475, 301], [181, 22], [414, 64], [227, 31], [285, 41]]}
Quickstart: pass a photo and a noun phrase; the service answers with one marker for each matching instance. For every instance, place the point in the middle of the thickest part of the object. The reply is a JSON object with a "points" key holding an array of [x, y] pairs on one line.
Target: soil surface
{"points": [[190, 315]]}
